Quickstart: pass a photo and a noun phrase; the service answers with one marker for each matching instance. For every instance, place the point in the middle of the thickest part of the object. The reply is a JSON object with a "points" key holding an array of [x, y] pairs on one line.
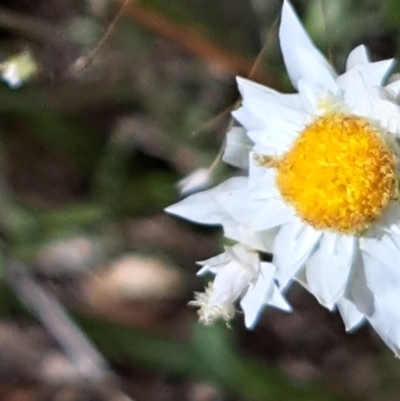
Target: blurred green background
{"points": [[129, 98]]}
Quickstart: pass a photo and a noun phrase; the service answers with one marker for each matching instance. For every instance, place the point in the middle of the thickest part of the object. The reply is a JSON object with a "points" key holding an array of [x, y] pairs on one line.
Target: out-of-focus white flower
{"points": [[18, 69], [323, 181], [239, 274]]}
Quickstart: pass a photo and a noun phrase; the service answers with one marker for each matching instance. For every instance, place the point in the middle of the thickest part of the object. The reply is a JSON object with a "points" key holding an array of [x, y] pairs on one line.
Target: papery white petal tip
{"points": [[195, 181], [301, 56], [172, 209], [251, 320], [208, 312], [279, 301]]}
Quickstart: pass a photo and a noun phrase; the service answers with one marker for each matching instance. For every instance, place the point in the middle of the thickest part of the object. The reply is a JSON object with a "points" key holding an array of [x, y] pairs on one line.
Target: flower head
{"points": [[322, 185], [339, 174]]}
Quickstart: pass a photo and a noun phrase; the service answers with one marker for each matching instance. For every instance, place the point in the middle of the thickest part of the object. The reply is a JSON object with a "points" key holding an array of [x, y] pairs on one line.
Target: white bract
{"points": [[239, 274], [322, 187]]}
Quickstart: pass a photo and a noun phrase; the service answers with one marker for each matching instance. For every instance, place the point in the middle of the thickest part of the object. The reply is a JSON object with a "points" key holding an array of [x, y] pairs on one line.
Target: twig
{"points": [[271, 32], [82, 353], [83, 62]]}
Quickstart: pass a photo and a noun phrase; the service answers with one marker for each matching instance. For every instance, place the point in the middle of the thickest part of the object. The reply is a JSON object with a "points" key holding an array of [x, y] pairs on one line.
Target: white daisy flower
{"points": [[239, 274], [325, 173], [322, 188]]}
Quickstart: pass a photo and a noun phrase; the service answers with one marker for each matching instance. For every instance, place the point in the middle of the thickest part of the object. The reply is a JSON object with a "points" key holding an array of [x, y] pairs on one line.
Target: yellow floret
{"points": [[339, 174]]}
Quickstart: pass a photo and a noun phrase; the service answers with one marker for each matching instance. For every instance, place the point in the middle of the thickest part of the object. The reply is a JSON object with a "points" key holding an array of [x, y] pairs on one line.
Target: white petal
{"points": [[293, 246], [277, 138], [254, 300], [390, 219], [258, 172], [267, 272], [236, 204], [387, 324], [385, 249], [237, 149], [264, 292], [358, 289], [247, 258], [229, 284], [394, 88], [261, 184], [329, 267], [384, 110], [369, 101], [249, 88], [269, 111], [310, 96], [384, 283], [373, 73], [197, 180], [278, 301], [351, 316], [383, 280], [302, 59], [271, 213], [358, 56], [261, 240], [202, 207], [376, 73], [356, 95], [301, 278], [252, 304], [246, 118], [209, 269], [220, 259]]}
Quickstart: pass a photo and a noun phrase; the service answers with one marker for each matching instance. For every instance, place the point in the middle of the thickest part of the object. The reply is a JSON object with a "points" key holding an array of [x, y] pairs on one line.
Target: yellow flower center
{"points": [[339, 174]]}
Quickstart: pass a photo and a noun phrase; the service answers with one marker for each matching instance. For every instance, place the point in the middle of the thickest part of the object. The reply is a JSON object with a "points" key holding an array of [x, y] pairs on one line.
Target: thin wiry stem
{"points": [[83, 62]]}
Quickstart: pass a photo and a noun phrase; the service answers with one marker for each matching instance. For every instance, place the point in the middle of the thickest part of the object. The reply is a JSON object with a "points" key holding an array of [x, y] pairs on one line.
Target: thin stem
{"points": [[83, 62]]}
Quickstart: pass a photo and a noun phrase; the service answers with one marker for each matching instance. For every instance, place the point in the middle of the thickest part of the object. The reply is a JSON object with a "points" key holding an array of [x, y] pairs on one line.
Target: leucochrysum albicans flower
{"points": [[323, 180]]}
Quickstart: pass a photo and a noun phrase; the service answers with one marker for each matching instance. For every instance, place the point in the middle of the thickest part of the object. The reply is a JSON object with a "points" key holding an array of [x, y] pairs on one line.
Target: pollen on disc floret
{"points": [[339, 174]]}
